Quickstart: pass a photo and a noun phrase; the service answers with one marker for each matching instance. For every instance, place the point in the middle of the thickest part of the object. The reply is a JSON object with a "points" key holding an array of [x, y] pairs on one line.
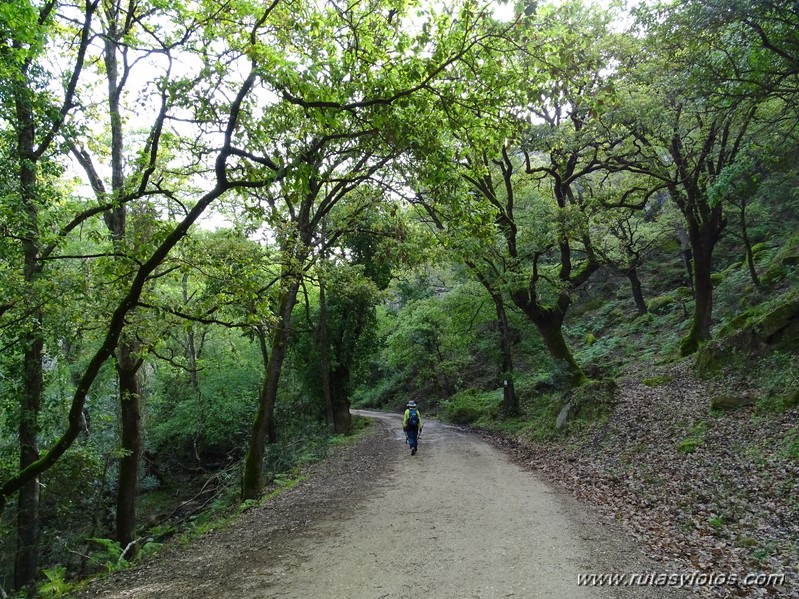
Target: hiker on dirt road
{"points": [[412, 425]]}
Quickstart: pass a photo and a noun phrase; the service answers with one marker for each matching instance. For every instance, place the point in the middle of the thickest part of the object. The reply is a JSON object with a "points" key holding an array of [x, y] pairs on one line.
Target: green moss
{"points": [[656, 381], [790, 447], [759, 248], [736, 324], [728, 402], [792, 400], [689, 445], [689, 345], [777, 320], [774, 274], [694, 440], [661, 304], [716, 522], [788, 255], [593, 400]]}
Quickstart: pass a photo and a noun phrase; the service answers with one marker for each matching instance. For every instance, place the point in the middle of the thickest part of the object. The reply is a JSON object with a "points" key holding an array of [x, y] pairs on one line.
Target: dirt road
{"points": [[458, 520]]}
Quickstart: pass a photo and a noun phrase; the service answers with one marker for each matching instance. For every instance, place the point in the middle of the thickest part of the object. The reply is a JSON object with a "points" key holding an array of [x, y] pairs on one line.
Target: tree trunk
{"points": [[702, 248], [340, 387], [191, 350], [263, 429], [127, 361], [638, 295], [28, 518], [324, 359], [687, 256], [551, 330], [131, 444], [510, 403], [549, 322], [750, 256]]}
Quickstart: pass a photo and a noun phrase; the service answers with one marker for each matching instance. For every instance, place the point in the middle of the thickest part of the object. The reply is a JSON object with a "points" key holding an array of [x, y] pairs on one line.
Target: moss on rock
{"points": [[661, 304], [729, 403]]}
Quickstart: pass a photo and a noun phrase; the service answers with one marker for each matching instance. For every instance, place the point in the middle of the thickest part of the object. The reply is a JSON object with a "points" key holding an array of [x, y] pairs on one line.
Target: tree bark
{"points": [[131, 444], [127, 362], [324, 359], [28, 518], [703, 305], [28, 502], [750, 256], [191, 351], [263, 429], [549, 323], [638, 296], [340, 383], [703, 240]]}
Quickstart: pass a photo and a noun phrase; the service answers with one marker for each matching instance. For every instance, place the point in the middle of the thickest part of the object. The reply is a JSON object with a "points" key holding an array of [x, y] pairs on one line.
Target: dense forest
{"points": [[222, 224]]}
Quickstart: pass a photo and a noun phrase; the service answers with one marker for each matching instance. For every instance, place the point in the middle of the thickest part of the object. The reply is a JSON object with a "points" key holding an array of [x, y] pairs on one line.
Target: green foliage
{"points": [[218, 418], [108, 556], [520, 142], [592, 401], [56, 585], [469, 406], [542, 414], [716, 522], [351, 300], [426, 345]]}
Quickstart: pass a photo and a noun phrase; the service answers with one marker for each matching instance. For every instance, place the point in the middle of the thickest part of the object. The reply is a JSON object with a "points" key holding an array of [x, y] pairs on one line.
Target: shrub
{"points": [[469, 406]]}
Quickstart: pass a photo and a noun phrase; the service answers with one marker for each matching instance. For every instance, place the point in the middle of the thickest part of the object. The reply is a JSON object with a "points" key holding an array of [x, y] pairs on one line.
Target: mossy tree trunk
{"points": [[28, 520], [324, 358], [549, 323], [703, 241], [510, 401], [638, 295]]}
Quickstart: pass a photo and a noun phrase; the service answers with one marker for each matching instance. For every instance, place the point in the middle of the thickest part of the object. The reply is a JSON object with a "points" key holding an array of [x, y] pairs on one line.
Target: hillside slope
{"points": [[716, 490]]}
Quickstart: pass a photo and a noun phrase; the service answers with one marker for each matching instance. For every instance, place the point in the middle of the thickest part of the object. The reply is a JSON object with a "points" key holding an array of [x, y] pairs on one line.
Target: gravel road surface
{"points": [[457, 520]]}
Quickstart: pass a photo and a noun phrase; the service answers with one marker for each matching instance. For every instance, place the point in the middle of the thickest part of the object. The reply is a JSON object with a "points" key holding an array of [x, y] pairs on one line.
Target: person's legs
{"points": [[412, 439]]}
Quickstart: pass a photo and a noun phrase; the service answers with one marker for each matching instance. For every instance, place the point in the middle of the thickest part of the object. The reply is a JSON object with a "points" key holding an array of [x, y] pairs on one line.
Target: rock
{"points": [[661, 304], [770, 325], [563, 416], [729, 403]]}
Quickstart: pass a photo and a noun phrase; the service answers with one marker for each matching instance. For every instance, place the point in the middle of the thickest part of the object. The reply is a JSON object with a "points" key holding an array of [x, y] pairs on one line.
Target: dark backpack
{"points": [[413, 418]]}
